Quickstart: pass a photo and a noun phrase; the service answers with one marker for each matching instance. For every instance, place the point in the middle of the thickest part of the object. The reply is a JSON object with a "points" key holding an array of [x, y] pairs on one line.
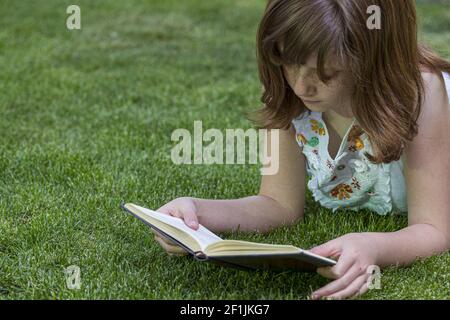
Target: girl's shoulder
{"points": [[435, 107], [436, 86]]}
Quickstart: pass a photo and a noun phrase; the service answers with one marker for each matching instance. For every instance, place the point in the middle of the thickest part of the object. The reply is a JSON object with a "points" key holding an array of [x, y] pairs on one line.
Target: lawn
{"points": [[86, 123]]}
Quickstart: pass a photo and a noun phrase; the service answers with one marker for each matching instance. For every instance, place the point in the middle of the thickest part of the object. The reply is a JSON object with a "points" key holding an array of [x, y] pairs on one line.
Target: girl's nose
{"points": [[304, 83], [305, 87]]}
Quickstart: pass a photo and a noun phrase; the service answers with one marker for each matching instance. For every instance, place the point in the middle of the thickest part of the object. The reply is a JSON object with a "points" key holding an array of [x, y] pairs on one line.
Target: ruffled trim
{"points": [[381, 202], [331, 203], [447, 83]]}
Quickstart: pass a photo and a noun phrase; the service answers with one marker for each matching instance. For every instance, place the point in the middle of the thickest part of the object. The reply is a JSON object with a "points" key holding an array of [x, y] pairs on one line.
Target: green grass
{"points": [[86, 119]]}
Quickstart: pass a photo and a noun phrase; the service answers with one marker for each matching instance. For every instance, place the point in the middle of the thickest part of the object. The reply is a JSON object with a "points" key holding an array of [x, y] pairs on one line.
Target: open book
{"points": [[206, 246]]}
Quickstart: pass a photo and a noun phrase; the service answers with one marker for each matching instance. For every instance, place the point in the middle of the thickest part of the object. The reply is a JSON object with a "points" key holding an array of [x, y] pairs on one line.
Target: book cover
{"points": [[204, 245]]}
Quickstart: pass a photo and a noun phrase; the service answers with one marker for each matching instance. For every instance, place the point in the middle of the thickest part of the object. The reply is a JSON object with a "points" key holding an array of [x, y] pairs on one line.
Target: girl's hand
{"points": [[185, 209], [356, 253]]}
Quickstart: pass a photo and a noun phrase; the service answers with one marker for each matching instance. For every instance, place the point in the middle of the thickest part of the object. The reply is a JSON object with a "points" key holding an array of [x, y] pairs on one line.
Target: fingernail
{"points": [[315, 295], [193, 224]]}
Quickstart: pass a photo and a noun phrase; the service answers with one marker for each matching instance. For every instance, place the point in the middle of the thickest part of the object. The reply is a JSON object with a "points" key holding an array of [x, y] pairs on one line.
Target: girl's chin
{"points": [[316, 107]]}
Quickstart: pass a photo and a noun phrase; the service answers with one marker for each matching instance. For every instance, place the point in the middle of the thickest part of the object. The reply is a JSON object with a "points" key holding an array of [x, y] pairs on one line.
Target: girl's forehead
{"points": [[331, 62]]}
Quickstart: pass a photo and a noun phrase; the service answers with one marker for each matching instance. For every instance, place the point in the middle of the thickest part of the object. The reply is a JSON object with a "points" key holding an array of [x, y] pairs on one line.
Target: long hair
{"points": [[385, 64]]}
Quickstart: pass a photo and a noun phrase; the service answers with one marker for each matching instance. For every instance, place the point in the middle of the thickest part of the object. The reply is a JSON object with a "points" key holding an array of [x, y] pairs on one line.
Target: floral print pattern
{"points": [[341, 191], [354, 138], [301, 138], [361, 185], [330, 165], [317, 127], [355, 183], [357, 145], [313, 142]]}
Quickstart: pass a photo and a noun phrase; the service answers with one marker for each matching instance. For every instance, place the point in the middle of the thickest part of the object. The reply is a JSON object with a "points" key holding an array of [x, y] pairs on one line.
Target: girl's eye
{"points": [[333, 75]]}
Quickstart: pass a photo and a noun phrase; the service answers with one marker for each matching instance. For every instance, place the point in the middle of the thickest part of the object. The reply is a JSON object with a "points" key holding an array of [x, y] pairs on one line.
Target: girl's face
{"points": [[316, 95]]}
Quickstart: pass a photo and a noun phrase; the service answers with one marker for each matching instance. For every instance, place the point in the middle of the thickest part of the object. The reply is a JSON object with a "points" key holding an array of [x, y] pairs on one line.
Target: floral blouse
{"points": [[350, 180]]}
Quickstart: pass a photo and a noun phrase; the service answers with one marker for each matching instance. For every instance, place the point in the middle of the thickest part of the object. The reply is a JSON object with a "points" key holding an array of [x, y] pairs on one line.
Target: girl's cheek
{"points": [[331, 87], [339, 86], [334, 91]]}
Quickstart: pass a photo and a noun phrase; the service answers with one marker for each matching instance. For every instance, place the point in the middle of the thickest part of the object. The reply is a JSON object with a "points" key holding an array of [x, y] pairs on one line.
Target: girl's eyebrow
{"points": [[328, 69]]}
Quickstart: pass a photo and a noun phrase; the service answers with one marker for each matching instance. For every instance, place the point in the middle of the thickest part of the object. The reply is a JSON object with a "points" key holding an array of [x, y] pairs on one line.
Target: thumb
{"points": [[326, 250], [190, 218]]}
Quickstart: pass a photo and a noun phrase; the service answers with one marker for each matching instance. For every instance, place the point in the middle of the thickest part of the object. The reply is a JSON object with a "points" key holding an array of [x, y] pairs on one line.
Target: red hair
{"points": [[386, 64]]}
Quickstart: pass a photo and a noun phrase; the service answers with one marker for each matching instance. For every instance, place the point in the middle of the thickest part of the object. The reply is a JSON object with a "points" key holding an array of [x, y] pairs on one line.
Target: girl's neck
{"points": [[339, 114]]}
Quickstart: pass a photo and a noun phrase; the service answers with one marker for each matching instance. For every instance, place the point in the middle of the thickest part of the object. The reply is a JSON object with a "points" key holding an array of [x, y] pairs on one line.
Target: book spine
{"points": [[159, 230], [199, 255]]}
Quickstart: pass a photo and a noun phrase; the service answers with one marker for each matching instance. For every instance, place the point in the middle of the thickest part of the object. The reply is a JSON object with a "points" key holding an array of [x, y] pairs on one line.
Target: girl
{"points": [[365, 114]]}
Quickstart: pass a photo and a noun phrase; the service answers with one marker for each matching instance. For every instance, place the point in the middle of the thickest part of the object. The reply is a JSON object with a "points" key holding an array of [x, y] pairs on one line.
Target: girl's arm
{"points": [[280, 200], [427, 174]]}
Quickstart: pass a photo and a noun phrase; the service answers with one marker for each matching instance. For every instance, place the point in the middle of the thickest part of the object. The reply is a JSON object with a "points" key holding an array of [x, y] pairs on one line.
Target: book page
{"points": [[203, 236], [238, 247], [246, 248]]}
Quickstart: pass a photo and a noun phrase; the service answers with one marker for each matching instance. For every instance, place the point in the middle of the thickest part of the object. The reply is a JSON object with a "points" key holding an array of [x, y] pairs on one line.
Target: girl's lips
{"points": [[309, 101]]}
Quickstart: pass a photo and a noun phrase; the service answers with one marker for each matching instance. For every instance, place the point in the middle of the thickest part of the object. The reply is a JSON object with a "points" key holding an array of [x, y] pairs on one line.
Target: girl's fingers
{"points": [[364, 288], [165, 239], [185, 211], [353, 289], [157, 234], [325, 272], [168, 244], [190, 218], [327, 249], [331, 272], [339, 284], [164, 209], [174, 249], [344, 263], [169, 210]]}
